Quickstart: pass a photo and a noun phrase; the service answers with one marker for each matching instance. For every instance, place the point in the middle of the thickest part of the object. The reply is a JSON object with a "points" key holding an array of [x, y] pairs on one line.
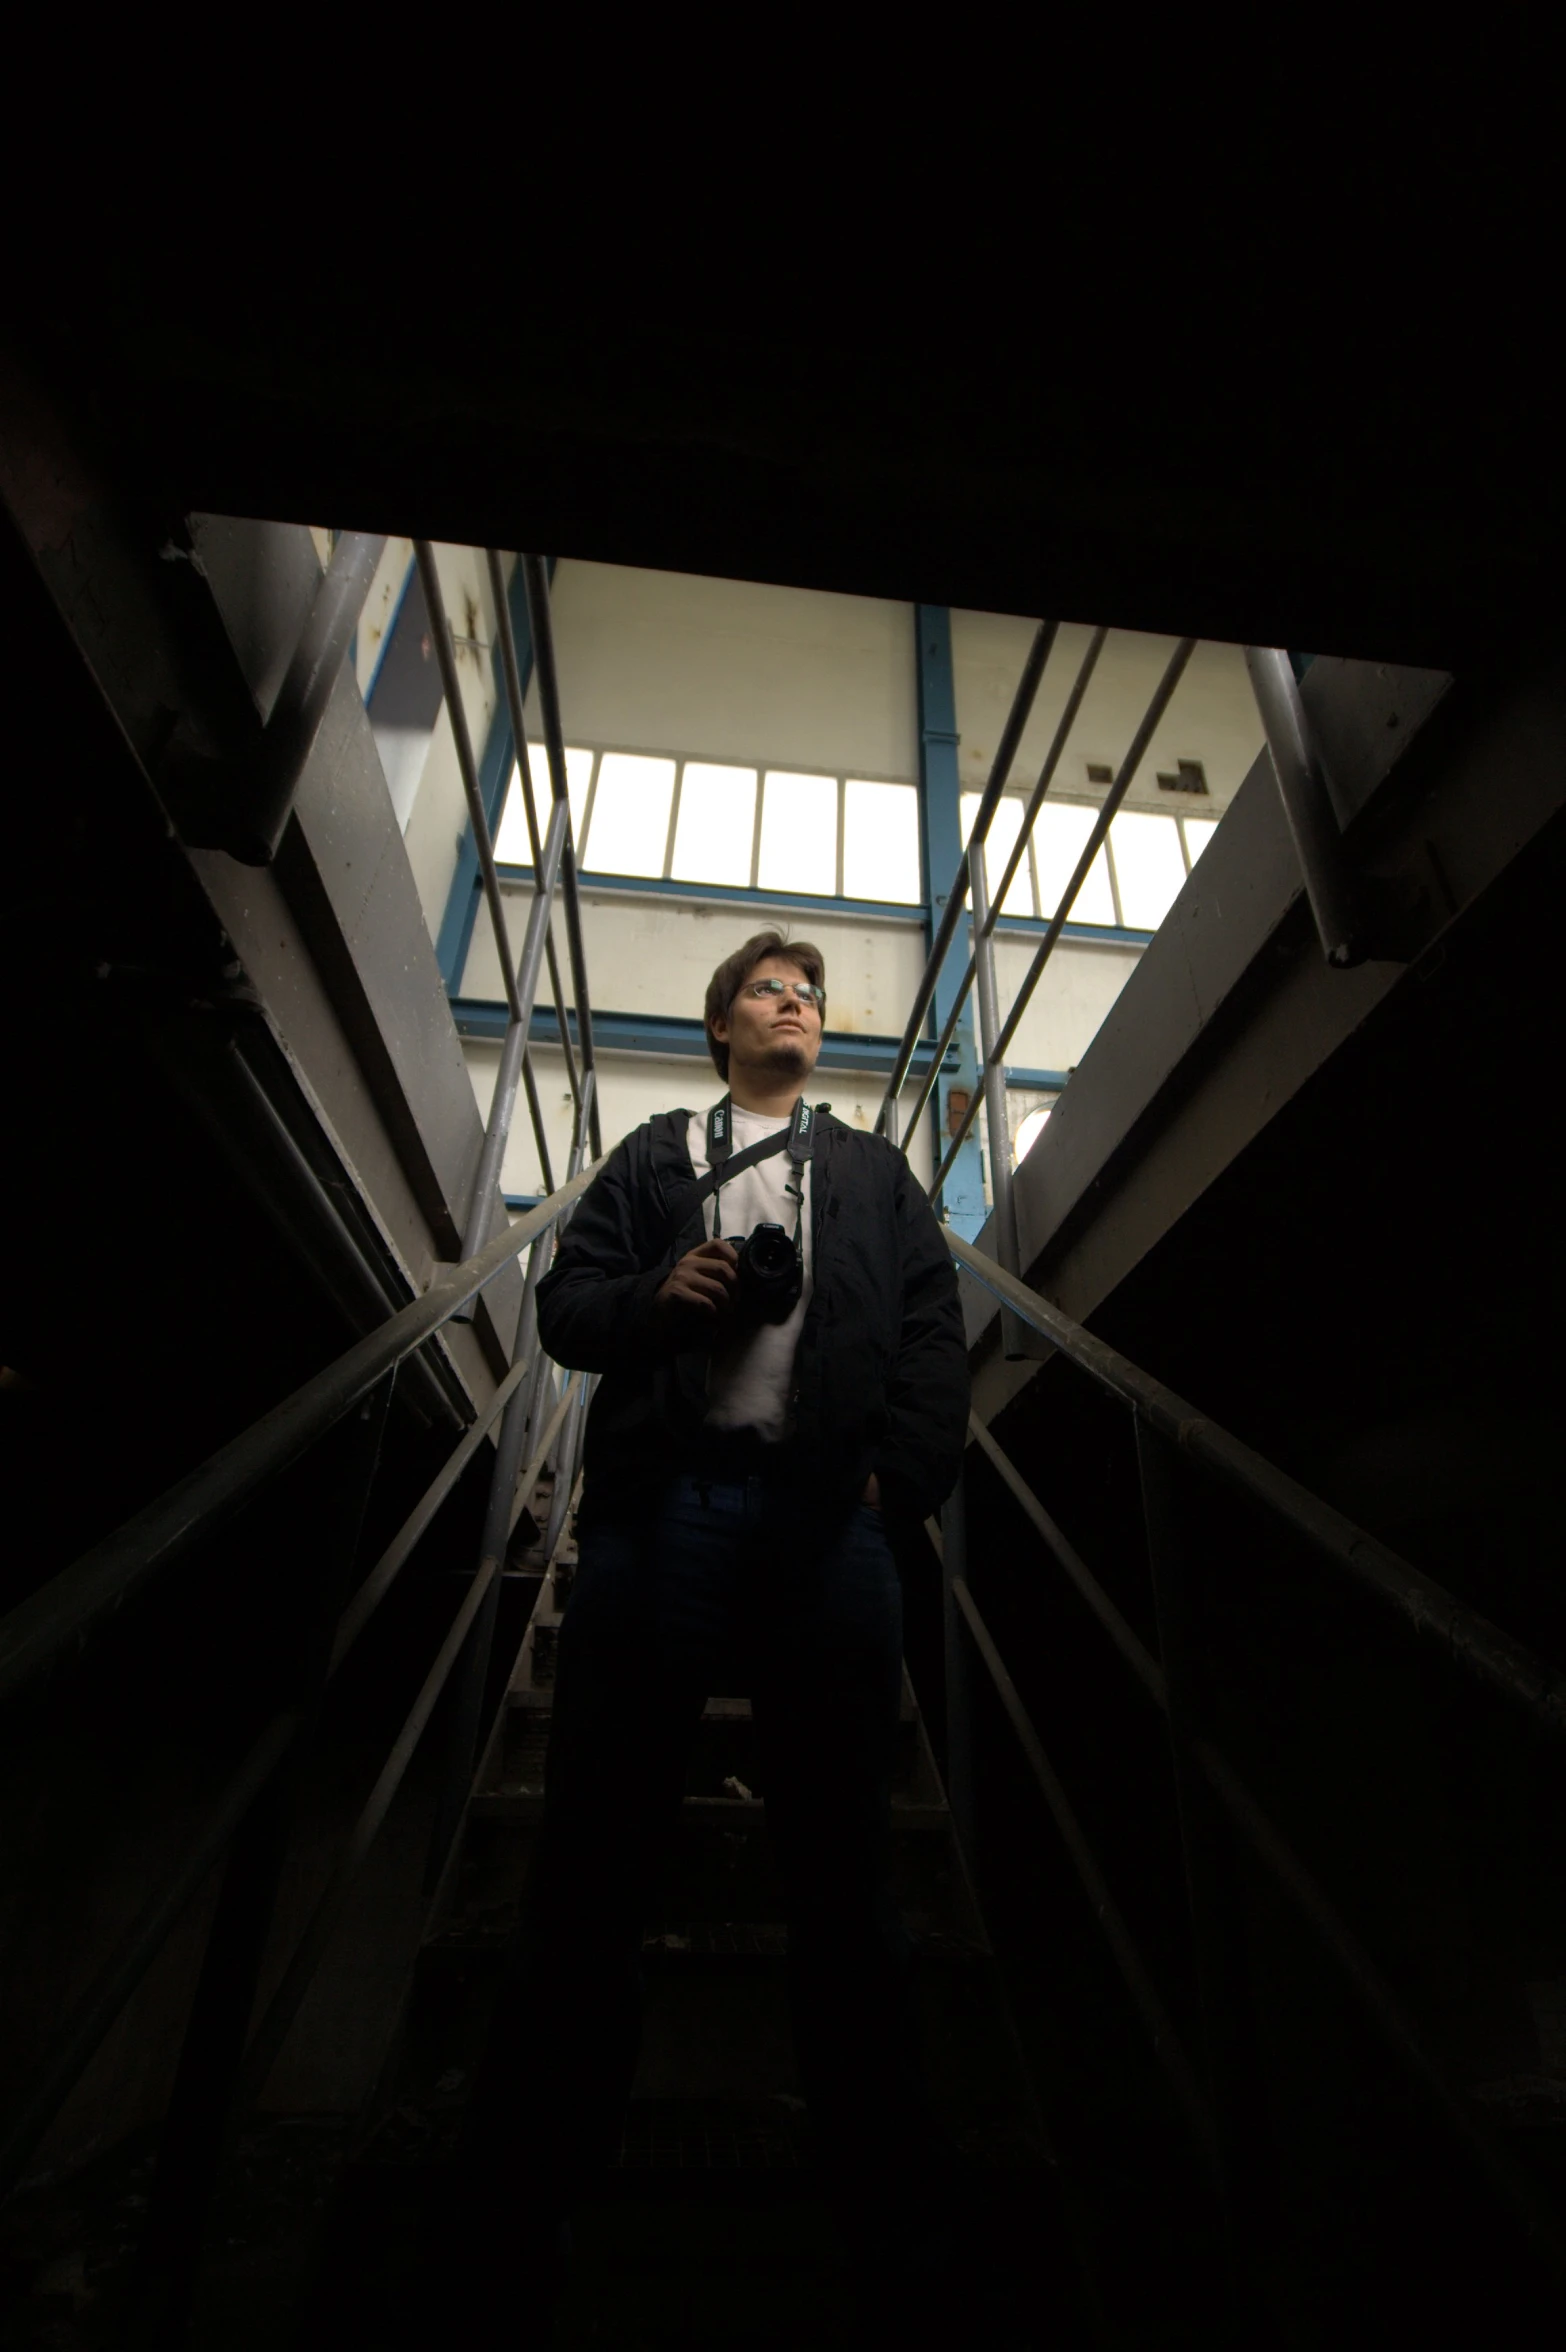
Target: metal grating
{"points": [[706, 1938], [686, 2136]]}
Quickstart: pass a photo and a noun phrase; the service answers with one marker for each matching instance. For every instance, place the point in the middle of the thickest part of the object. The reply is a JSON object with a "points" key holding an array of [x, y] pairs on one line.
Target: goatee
{"points": [[785, 1060]]}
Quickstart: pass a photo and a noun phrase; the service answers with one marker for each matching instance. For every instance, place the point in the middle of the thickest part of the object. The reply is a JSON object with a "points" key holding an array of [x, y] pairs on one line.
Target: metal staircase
{"points": [[714, 2182], [710, 2227]]}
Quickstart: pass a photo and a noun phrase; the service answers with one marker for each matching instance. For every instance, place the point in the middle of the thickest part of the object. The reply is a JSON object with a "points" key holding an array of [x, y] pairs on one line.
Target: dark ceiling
{"points": [[1295, 386]]}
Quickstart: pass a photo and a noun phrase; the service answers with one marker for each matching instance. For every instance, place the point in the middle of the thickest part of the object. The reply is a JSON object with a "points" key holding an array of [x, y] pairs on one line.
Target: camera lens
{"points": [[769, 1274], [771, 1253]]}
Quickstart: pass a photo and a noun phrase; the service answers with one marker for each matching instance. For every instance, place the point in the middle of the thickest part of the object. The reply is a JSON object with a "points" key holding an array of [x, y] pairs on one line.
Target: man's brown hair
{"points": [[732, 974]]}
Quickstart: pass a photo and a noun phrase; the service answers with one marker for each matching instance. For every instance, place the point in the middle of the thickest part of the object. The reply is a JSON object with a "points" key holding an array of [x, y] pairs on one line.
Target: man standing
{"points": [[773, 1311]]}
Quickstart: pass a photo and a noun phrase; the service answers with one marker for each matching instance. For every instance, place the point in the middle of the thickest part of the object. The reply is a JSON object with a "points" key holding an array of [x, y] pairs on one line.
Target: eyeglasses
{"points": [[806, 990]]}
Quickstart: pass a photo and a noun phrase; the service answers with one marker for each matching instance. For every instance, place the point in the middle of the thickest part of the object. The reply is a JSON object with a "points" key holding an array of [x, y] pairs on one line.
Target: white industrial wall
{"points": [[656, 955], [727, 670], [762, 676], [1211, 716]]}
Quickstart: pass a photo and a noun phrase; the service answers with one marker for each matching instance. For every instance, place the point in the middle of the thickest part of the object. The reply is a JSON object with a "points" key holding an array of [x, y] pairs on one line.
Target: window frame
{"points": [[1040, 920], [666, 879], [753, 892]]}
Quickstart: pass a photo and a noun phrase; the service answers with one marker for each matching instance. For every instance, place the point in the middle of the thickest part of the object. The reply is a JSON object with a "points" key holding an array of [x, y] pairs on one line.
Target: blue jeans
{"points": [[722, 1587]]}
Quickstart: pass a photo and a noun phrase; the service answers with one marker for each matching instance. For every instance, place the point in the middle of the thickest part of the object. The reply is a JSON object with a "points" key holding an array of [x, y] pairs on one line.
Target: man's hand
{"points": [[872, 1493], [701, 1288]]}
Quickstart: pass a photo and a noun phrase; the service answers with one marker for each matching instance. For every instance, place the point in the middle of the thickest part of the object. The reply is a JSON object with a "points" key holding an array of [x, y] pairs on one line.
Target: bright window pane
{"points": [[1005, 825], [716, 825], [1028, 1133], [512, 847], [798, 833], [630, 829], [1198, 832], [1059, 838], [880, 841], [1148, 868]]}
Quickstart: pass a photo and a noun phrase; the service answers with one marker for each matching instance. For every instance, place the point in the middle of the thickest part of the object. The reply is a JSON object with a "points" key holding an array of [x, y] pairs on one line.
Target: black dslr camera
{"points": [[770, 1275]]}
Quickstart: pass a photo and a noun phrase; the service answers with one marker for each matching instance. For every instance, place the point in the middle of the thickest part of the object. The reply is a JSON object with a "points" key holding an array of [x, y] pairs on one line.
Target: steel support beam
{"points": [[941, 847]]}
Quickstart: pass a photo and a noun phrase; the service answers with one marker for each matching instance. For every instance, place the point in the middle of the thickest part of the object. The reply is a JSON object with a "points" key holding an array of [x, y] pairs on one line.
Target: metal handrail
{"points": [[1135, 1973], [983, 947], [1487, 1653], [34, 1636], [266, 2042], [511, 672], [520, 985], [57, 1618], [1019, 851], [1494, 1659], [535, 579], [1271, 1849], [1000, 769], [249, 1823], [1336, 900]]}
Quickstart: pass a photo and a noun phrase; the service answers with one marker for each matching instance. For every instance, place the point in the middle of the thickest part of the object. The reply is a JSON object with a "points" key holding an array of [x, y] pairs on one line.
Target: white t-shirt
{"points": [[750, 1373]]}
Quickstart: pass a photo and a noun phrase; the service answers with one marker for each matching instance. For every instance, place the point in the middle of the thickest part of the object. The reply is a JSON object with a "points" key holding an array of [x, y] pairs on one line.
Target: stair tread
{"points": [[524, 1697], [525, 1803], [696, 1943]]}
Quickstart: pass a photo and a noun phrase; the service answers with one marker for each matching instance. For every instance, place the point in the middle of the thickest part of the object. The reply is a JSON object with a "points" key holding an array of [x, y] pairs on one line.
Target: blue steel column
{"points": [[500, 751], [940, 843]]}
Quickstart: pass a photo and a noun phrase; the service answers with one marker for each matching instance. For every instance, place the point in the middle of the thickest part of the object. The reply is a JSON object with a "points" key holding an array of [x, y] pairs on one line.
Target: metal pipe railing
{"points": [[927, 1083], [946, 931], [514, 1056], [1013, 1333], [1307, 805], [536, 581], [1134, 1971], [1113, 797], [1068, 719], [265, 2044], [98, 2007], [55, 1620], [1019, 851], [511, 673], [1263, 1838], [1482, 1649], [252, 1821], [445, 655]]}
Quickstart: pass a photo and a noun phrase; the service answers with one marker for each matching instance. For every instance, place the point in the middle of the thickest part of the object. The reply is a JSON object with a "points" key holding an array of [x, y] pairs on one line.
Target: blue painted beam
{"points": [[940, 844], [723, 894], [676, 1035], [500, 751]]}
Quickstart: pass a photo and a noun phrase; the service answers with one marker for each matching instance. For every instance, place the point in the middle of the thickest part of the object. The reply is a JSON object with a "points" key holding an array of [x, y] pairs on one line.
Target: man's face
{"points": [[773, 1036]]}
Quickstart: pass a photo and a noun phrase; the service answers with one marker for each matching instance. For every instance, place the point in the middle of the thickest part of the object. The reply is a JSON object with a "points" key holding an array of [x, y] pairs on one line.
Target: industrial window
{"points": [[1198, 832], [1149, 869], [649, 816], [880, 841], [714, 831], [1059, 837], [1028, 1132], [627, 829], [798, 833], [512, 847], [999, 842]]}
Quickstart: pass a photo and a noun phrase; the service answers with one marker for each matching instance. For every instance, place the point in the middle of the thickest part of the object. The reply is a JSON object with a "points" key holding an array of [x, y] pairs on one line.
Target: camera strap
{"points": [[723, 1161]]}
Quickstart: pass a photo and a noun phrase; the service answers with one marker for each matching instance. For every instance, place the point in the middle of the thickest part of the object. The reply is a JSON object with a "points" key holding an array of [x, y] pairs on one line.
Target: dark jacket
{"points": [[881, 1376]]}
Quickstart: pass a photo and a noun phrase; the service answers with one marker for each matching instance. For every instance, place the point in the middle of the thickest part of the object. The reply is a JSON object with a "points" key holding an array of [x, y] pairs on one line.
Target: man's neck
{"points": [[768, 1098]]}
